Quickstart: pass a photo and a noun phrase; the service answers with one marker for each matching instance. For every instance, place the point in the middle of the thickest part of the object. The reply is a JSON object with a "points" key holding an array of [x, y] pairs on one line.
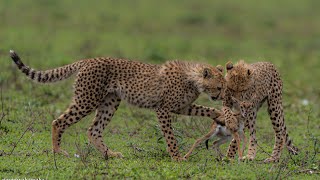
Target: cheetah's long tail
{"points": [[47, 76]]}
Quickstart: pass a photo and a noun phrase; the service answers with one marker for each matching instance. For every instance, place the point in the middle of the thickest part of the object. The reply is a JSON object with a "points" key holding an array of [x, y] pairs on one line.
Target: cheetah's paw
{"points": [[116, 154], [247, 158], [61, 151], [271, 160]]}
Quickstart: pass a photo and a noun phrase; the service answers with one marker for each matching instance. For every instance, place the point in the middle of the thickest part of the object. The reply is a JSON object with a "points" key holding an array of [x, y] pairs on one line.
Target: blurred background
{"points": [[55, 32], [52, 33]]}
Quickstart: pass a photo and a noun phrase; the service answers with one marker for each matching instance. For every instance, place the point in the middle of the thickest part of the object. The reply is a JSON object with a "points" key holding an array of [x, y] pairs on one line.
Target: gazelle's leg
{"points": [[213, 131], [198, 110], [244, 141], [216, 144]]}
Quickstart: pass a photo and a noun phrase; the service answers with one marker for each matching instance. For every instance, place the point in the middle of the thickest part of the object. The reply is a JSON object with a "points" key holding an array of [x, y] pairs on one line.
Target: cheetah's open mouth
{"points": [[214, 98]]}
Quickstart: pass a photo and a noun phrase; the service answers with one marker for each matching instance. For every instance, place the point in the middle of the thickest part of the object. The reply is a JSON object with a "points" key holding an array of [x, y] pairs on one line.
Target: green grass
{"points": [[52, 33]]}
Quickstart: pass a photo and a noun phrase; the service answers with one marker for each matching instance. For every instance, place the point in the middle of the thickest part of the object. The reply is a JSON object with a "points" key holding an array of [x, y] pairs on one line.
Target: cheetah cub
{"points": [[263, 80], [102, 83], [233, 128]]}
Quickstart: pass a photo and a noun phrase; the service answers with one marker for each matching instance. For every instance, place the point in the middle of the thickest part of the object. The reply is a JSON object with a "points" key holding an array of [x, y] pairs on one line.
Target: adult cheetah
{"points": [[102, 83], [262, 81]]}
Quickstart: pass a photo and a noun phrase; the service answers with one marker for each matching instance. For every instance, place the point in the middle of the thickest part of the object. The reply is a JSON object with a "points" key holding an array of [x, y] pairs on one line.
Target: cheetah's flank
{"points": [[102, 83]]}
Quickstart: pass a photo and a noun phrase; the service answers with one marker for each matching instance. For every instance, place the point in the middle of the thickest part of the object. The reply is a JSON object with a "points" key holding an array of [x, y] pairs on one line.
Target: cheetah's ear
{"points": [[206, 73], [229, 65], [220, 68], [249, 72]]}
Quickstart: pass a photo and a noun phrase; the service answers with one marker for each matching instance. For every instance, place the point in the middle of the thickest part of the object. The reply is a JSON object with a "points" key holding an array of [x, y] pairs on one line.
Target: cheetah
{"points": [[262, 80], [102, 83], [234, 127]]}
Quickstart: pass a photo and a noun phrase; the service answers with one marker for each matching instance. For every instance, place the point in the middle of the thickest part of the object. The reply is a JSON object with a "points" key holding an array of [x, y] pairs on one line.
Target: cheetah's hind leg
{"points": [[104, 113], [69, 117]]}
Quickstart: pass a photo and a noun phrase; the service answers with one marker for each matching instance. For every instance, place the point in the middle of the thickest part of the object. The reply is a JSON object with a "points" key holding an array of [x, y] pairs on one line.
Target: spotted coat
{"points": [[102, 83], [262, 81]]}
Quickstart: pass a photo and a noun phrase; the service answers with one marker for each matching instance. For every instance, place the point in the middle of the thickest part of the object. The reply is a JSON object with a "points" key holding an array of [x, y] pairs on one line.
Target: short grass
{"points": [[52, 33]]}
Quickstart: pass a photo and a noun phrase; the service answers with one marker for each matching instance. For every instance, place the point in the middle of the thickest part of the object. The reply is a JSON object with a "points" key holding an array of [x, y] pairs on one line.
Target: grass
{"points": [[52, 33]]}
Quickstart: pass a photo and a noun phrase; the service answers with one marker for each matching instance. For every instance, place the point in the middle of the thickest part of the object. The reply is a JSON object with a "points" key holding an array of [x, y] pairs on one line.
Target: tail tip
{"points": [[13, 54]]}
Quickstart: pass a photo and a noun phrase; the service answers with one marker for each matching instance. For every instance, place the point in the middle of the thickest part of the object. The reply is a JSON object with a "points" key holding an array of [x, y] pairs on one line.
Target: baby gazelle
{"points": [[233, 127]]}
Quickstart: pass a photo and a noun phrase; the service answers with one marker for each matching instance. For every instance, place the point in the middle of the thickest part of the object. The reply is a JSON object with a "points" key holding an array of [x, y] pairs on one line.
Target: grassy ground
{"points": [[52, 33]]}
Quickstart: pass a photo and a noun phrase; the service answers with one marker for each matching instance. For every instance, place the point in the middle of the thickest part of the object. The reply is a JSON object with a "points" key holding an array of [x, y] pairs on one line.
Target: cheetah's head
{"points": [[240, 76], [212, 82]]}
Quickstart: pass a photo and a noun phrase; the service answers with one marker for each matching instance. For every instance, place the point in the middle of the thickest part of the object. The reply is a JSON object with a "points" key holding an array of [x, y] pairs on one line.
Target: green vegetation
{"points": [[52, 33]]}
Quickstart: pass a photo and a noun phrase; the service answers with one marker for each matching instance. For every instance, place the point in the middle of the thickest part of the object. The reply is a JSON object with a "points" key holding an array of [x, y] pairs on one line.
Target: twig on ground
{"points": [[294, 161], [303, 165], [263, 150], [204, 165], [83, 152], [2, 106], [24, 132], [311, 136], [308, 122], [38, 170], [282, 165], [316, 150], [193, 154], [55, 161]]}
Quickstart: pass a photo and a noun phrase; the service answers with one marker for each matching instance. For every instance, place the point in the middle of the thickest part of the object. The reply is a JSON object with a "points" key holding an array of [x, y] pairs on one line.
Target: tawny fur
{"points": [[262, 80], [102, 83]]}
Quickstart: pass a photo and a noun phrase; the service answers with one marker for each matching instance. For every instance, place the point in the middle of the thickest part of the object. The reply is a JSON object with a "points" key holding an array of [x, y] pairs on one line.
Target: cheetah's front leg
{"points": [[251, 125], [198, 110], [165, 124]]}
